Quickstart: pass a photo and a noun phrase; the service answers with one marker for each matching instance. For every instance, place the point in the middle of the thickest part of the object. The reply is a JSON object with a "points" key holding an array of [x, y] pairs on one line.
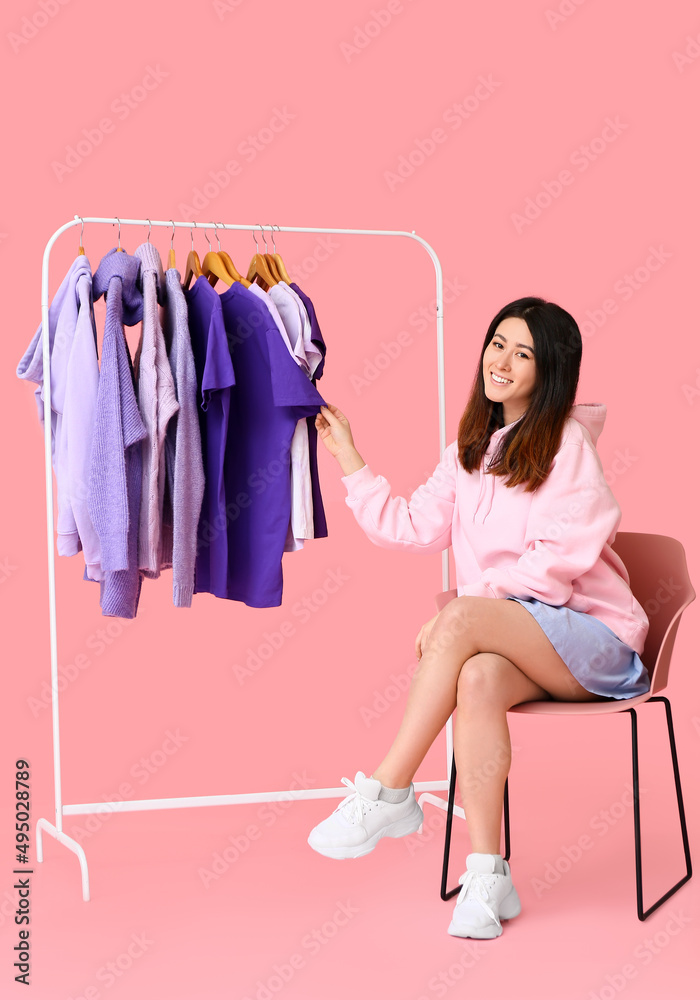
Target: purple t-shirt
{"points": [[320, 526], [272, 393], [215, 376]]}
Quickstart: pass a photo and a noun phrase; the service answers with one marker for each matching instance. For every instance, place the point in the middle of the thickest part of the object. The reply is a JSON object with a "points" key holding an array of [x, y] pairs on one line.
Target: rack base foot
{"points": [[72, 845]]}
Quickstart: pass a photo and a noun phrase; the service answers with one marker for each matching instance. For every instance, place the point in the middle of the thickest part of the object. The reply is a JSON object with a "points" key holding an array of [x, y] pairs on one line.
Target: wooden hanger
{"points": [[228, 264], [193, 267], [260, 270], [171, 252], [213, 266]]}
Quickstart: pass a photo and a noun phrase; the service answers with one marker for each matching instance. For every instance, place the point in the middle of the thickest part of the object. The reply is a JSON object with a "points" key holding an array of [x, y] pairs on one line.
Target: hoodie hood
{"points": [[591, 416]]}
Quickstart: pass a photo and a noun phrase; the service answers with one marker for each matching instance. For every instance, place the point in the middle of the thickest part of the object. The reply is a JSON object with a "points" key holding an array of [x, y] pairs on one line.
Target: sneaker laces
{"points": [[355, 802], [475, 887]]}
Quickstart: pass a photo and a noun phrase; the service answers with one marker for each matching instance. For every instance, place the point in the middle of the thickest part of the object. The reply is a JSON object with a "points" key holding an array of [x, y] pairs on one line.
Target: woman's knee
{"points": [[454, 621], [484, 677]]}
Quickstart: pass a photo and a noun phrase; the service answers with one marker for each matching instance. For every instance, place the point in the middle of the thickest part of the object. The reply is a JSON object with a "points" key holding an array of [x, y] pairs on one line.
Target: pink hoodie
{"points": [[553, 544]]}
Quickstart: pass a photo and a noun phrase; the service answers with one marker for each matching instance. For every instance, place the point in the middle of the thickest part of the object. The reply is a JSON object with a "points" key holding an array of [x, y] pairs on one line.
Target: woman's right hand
{"points": [[423, 636], [334, 430]]}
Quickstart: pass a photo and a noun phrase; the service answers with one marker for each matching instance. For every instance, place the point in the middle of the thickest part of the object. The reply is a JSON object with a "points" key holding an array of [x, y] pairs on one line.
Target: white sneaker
{"points": [[486, 899], [359, 822]]}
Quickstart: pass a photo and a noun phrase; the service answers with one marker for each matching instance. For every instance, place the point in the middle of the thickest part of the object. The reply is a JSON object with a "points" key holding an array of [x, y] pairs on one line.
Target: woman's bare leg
{"points": [[464, 628]]}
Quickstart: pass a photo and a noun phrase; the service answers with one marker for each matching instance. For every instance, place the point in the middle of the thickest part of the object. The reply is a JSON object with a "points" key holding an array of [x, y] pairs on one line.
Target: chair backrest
{"points": [[659, 580]]}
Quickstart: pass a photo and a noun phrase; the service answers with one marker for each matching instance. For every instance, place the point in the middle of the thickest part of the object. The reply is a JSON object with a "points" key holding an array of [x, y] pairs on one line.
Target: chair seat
{"points": [[580, 707]]}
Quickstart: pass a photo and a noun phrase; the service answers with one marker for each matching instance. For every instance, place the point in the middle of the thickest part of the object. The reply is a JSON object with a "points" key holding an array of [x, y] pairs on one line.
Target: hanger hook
{"points": [[262, 233], [216, 233], [272, 235], [191, 236], [206, 236], [119, 233], [148, 238], [82, 226], [173, 236], [257, 248]]}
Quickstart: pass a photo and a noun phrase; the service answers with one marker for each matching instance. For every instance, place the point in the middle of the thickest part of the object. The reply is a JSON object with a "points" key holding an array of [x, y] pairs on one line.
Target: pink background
{"points": [[360, 89]]}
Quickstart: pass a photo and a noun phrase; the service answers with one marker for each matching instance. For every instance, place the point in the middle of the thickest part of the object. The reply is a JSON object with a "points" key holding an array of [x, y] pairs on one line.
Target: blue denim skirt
{"points": [[598, 659]]}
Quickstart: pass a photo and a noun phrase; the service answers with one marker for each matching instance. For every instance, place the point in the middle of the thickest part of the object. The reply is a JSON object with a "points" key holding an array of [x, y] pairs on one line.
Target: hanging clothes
{"points": [[215, 377], [74, 381], [157, 405], [183, 449], [319, 515], [301, 513], [114, 498], [271, 395]]}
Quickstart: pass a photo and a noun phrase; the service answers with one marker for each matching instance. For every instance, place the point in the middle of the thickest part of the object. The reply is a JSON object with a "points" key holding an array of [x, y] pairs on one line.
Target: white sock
{"points": [[393, 794], [499, 868]]}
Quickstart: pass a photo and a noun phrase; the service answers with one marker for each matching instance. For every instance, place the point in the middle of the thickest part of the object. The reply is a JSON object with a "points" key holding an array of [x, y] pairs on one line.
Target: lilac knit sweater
{"points": [[115, 480], [183, 449], [157, 405]]}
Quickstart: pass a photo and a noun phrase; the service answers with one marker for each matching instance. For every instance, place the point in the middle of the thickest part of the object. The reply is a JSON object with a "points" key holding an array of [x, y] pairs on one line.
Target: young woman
{"points": [[544, 607]]}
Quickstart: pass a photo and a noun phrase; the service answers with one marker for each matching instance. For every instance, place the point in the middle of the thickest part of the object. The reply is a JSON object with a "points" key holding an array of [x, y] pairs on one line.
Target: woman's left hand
{"points": [[423, 636]]}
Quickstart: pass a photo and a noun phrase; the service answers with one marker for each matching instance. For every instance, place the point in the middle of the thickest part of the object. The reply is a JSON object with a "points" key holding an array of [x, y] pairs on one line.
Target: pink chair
{"points": [[659, 580]]}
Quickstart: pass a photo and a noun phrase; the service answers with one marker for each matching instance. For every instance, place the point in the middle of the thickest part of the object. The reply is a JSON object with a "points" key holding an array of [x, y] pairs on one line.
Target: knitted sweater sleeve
{"points": [[572, 517], [421, 524]]}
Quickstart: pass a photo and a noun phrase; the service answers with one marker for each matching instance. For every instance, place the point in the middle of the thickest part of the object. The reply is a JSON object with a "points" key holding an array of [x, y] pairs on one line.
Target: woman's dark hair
{"points": [[526, 452]]}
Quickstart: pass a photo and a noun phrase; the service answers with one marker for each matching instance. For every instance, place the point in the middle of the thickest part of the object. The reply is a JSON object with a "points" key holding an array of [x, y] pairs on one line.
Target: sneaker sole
{"points": [[400, 828]]}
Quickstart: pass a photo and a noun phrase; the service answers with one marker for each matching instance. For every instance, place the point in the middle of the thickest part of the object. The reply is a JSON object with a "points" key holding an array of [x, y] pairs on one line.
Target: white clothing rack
{"points": [[61, 810]]}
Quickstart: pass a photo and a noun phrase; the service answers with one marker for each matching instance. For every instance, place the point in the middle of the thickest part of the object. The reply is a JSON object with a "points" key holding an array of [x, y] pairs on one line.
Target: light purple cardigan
{"points": [[74, 381]]}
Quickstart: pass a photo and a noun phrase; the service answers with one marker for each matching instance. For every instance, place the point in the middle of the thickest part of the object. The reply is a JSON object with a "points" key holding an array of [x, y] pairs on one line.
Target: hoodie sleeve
{"points": [[421, 524], [572, 517]]}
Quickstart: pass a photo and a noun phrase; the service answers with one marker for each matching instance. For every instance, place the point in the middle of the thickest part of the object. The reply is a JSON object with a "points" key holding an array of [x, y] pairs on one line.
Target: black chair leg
{"points": [[641, 912], [444, 892]]}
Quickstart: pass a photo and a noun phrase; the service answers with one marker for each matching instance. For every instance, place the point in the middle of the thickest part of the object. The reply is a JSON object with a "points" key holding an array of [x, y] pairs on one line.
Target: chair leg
{"points": [[641, 912], [444, 892]]}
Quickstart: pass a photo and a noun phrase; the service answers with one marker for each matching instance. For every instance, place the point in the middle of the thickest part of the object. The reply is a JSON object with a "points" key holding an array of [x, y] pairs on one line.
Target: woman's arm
{"points": [[422, 524]]}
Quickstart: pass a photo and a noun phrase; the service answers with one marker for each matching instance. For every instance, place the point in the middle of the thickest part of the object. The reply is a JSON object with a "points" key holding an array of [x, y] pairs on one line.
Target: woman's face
{"points": [[509, 367]]}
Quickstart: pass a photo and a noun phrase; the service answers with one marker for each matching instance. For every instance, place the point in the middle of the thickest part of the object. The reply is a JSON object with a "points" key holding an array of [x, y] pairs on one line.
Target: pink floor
{"points": [[231, 903]]}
